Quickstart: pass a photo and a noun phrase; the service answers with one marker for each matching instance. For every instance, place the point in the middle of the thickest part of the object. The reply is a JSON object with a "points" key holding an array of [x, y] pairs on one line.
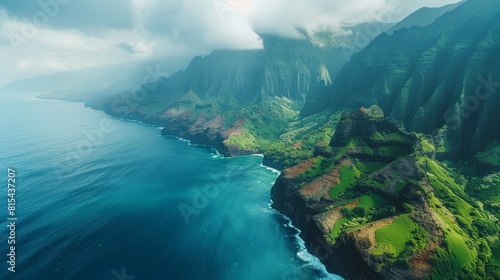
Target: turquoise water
{"points": [[100, 198]]}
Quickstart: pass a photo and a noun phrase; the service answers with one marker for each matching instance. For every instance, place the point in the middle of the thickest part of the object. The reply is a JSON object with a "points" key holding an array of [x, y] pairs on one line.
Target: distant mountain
{"points": [[442, 78], [102, 81], [353, 37], [55, 81], [423, 17]]}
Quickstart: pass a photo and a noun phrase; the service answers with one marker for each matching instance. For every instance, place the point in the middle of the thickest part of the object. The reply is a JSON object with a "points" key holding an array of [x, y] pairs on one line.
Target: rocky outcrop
{"points": [[305, 200], [371, 126]]}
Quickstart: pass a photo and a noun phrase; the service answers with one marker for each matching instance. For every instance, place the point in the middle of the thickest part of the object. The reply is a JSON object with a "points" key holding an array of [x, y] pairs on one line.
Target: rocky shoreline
{"points": [[338, 259], [342, 258], [303, 192]]}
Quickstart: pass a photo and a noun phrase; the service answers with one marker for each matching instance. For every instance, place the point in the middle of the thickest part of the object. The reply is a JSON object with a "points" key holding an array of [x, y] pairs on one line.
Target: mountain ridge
{"points": [[454, 56]]}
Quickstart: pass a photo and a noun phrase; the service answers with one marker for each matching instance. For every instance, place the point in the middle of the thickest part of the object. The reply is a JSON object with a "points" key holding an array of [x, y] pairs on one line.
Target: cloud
{"points": [[284, 17], [87, 16], [68, 34], [128, 47], [139, 47], [47, 50]]}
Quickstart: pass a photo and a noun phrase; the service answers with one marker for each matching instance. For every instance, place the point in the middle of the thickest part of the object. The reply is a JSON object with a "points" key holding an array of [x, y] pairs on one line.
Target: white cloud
{"points": [[141, 10], [23, 65], [161, 27], [49, 50]]}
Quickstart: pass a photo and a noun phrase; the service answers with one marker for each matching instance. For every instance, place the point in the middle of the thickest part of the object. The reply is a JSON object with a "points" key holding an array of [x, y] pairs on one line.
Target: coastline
{"points": [[307, 248], [303, 251]]}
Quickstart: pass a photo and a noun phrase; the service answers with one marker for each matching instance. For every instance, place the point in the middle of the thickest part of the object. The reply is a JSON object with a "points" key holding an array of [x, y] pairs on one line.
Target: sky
{"points": [[45, 36]]}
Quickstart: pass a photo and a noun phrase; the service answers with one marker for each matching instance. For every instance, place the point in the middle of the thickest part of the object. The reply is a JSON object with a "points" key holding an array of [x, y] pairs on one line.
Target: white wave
{"points": [[181, 139], [312, 261], [271, 169], [257, 155], [304, 255], [130, 120], [217, 155]]}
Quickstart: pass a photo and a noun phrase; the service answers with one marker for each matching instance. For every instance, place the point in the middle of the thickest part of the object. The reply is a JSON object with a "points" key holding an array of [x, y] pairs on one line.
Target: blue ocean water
{"points": [[101, 198]]}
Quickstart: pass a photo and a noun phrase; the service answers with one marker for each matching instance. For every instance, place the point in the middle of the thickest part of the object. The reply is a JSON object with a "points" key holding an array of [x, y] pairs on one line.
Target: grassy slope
{"points": [[348, 177], [271, 126], [392, 239], [298, 139], [469, 231]]}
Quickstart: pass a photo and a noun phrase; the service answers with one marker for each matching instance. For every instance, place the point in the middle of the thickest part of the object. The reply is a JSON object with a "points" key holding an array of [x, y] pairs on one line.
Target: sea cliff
{"points": [[375, 203]]}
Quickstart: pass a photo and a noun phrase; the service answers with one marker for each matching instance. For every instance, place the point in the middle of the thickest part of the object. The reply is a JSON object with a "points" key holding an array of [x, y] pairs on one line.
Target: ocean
{"points": [[102, 198]]}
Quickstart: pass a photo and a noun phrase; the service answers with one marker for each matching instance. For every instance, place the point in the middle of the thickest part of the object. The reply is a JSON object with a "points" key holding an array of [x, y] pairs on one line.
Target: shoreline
{"points": [[303, 250], [302, 243], [305, 246]]}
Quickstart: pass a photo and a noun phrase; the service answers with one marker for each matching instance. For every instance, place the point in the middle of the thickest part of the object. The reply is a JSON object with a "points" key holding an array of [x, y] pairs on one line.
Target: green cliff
{"points": [[442, 78], [377, 195]]}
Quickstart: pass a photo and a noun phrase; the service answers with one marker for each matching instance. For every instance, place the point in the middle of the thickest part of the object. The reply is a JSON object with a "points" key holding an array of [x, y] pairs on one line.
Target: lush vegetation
{"points": [[388, 179], [348, 176], [298, 140], [393, 239], [486, 190], [244, 141], [491, 155], [460, 241]]}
